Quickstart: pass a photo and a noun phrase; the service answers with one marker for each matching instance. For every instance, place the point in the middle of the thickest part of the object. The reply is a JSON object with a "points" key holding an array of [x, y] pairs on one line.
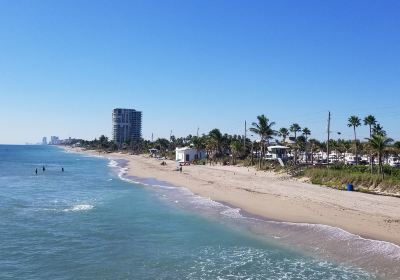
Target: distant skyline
{"points": [[64, 65]]}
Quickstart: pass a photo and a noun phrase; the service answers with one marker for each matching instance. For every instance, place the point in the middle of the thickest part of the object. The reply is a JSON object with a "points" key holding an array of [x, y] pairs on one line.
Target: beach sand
{"points": [[278, 197]]}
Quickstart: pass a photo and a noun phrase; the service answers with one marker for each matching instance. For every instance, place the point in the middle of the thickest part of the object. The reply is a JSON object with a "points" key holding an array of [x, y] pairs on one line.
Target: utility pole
{"points": [[244, 140], [152, 137], [198, 132], [329, 132]]}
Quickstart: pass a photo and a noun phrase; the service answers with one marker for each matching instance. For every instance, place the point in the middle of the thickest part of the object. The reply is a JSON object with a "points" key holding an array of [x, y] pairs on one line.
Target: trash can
{"points": [[350, 187]]}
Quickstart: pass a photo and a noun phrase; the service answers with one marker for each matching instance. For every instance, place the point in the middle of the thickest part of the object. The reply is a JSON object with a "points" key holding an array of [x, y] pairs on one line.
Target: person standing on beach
{"points": [[43, 168], [180, 169], [62, 169], [36, 171]]}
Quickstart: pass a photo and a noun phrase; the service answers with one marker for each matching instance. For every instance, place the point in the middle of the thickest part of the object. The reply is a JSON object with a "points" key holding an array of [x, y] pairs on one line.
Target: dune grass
{"points": [[360, 177]]}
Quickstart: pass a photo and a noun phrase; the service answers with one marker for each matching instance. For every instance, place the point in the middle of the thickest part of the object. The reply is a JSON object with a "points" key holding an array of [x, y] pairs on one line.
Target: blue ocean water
{"points": [[87, 223]]}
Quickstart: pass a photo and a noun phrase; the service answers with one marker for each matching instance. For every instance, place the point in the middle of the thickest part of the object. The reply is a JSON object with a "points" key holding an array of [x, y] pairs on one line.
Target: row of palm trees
{"points": [[218, 145], [378, 140], [376, 144]]}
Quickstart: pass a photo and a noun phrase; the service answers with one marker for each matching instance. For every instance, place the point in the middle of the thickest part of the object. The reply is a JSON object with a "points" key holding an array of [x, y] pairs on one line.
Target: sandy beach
{"points": [[278, 197]]}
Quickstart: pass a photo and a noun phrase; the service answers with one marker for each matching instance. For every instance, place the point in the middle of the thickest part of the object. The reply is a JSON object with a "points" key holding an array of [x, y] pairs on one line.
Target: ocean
{"points": [[93, 222]]}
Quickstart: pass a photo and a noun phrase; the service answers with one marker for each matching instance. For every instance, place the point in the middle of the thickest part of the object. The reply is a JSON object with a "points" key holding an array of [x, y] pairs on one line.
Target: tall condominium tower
{"points": [[126, 125]]}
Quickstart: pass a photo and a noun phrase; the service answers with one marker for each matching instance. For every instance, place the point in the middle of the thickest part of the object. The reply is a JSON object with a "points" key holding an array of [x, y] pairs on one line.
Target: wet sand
{"points": [[278, 197]]}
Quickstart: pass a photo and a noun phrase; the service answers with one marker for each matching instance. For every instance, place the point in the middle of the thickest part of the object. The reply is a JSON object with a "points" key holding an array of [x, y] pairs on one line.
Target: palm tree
{"points": [[378, 129], [370, 121], [283, 132], [216, 137], [378, 144], [264, 129], [236, 149], [314, 145], [354, 122], [295, 128], [211, 146], [162, 145], [198, 143], [397, 146], [306, 133]]}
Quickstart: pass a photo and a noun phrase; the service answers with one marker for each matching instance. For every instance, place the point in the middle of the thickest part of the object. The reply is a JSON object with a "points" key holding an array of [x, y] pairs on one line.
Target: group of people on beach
{"points": [[44, 169]]}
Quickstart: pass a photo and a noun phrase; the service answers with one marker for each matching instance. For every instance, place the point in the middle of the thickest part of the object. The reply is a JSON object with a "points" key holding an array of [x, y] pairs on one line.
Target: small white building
{"points": [[187, 154], [393, 161], [278, 151]]}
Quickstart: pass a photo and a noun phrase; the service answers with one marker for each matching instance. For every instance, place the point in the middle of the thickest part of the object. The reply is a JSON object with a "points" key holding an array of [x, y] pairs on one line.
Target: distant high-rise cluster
{"points": [[54, 140], [44, 141], [126, 125]]}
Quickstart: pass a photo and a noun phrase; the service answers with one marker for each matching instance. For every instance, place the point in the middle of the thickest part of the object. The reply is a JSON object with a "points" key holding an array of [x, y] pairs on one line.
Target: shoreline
{"points": [[275, 197]]}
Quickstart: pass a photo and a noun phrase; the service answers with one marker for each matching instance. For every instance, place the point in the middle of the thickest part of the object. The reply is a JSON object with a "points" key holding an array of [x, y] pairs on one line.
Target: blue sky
{"points": [[64, 65]]}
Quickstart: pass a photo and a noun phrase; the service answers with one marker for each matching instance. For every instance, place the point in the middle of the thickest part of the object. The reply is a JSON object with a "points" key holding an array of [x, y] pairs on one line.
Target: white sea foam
{"points": [[337, 234], [232, 213], [122, 171], [204, 202], [79, 207], [112, 163], [309, 234], [163, 186]]}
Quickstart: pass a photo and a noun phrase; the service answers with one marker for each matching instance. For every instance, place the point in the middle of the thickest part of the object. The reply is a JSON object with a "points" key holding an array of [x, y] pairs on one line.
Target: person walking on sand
{"points": [[36, 171], [62, 169], [180, 169], [43, 168]]}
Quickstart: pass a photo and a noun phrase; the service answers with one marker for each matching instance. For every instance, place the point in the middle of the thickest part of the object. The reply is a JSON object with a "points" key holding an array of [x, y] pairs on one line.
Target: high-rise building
{"points": [[44, 141], [126, 125], [54, 140]]}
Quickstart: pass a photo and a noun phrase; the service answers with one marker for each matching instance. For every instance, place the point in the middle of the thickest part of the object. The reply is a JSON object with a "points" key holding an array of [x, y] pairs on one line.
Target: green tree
{"points": [[162, 144], [284, 133], [314, 145], [370, 121], [354, 122], [378, 129], [216, 139], [198, 144], [295, 128], [378, 144], [236, 149], [306, 133], [396, 145], [263, 128]]}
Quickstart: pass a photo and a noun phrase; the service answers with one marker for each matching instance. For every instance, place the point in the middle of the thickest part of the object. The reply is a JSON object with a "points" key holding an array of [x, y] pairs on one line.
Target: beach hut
{"points": [[188, 154], [278, 151]]}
